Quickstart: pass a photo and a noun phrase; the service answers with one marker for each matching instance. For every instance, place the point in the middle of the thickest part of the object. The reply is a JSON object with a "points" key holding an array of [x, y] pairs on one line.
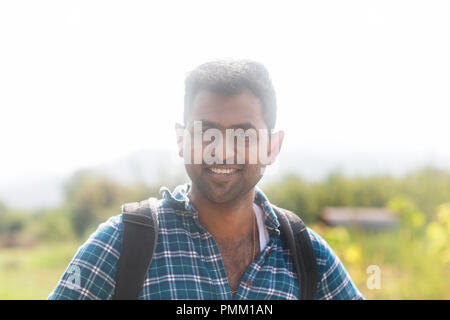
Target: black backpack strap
{"points": [[140, 234], [296, 234]]}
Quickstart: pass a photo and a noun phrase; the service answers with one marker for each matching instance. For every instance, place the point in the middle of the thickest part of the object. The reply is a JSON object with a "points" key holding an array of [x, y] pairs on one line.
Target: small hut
{"points": [[361, 217]]}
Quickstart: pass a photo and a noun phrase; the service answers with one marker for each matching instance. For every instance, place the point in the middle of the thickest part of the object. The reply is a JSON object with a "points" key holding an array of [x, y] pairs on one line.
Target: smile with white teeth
{"points": [[222, 171]]}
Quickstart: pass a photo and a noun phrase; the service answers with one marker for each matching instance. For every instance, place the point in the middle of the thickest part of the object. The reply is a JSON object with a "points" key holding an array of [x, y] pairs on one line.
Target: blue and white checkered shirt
{"points": [[187, 263]]}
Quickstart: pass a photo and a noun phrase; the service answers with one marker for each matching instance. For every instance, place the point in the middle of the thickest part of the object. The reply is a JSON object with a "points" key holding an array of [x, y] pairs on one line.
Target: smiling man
{"points": [[218, 237]]}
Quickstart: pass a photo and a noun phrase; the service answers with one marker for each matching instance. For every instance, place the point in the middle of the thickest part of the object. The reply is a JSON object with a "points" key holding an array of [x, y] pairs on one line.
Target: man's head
{"points": [[224, 95], [230, 78]]}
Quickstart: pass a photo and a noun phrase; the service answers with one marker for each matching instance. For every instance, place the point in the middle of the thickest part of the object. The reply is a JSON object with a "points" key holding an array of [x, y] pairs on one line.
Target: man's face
{"points": [[222, 183]]}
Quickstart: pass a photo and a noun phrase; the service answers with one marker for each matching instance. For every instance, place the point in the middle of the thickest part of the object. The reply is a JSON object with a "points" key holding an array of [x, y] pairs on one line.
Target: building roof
{"points": [[365, 217]]}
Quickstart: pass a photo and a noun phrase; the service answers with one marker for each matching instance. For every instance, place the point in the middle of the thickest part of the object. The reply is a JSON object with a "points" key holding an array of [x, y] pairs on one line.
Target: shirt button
{"points": [[248, 283], [268, 253]]}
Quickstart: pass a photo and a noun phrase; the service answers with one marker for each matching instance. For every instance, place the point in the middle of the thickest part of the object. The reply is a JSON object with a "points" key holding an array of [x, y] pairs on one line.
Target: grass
{"points": [[32, 273]]}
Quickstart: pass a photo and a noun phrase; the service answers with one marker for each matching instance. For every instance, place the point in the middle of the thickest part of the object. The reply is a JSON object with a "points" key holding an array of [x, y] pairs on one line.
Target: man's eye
{"points": [[204, 130], [241, 134]]}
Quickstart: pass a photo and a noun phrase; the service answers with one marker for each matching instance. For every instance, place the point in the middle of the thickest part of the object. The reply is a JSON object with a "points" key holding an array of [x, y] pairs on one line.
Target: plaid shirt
{"points": [[187, 263]]}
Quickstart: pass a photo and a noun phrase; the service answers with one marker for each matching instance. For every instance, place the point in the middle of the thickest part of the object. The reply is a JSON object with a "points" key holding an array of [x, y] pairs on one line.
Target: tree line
{"points": [[91, 198]]}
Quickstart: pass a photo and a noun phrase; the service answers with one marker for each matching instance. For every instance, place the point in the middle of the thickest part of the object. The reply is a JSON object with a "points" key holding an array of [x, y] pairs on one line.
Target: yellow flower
{"points": [[353, 254], [444, 257], [436, 234], [443, 215], [417, 219]]}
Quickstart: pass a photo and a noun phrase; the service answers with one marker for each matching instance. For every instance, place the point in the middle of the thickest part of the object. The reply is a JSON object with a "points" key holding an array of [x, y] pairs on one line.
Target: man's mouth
{"points": [[222, 171]]}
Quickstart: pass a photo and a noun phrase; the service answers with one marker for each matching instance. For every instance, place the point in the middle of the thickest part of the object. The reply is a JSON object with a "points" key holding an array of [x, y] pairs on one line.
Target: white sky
{"points": [[82, 82]]}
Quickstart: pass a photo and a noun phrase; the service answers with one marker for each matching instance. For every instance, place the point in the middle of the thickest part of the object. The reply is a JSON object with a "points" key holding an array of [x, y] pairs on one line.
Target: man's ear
{"points": [[276, 140], [179, 131]]}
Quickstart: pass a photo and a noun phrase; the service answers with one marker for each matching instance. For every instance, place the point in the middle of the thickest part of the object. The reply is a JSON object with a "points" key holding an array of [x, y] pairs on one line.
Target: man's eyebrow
{"points": [[244, 125], [212, 124]]}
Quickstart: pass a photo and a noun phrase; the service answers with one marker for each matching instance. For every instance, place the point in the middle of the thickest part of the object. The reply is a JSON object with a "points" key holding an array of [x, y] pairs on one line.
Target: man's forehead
{"points": [[218, 110]]}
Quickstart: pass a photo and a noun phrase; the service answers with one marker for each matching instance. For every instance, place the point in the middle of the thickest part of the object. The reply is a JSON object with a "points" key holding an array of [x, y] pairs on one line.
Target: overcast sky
{"points": [[83, 82]]}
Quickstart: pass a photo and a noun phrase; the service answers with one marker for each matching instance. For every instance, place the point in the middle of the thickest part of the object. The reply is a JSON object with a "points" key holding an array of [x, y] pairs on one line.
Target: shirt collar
{"points": [[179, 198]]}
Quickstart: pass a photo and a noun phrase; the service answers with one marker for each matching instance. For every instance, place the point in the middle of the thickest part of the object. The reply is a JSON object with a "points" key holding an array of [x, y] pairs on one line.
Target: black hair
{"points": [[230, 77]]}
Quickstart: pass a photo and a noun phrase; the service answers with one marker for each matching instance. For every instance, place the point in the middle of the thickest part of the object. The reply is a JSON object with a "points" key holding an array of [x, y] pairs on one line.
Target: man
{"points": [[219, 237]]}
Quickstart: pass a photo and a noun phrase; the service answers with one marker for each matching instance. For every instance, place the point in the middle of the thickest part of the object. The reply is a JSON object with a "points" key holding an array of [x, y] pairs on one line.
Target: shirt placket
{"points": [[211, 250], [250, 275], [218, 271]]}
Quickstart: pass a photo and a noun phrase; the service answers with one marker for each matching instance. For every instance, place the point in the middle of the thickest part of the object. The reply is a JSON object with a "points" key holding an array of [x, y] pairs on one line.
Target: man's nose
{"points": [[230, 153]]}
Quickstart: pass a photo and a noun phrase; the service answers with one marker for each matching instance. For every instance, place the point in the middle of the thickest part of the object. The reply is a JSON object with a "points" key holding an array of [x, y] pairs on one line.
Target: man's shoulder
{"points": [[108, 234], [334, 282], [111, 227], [95, 261], [91, 272], [320, 245]]}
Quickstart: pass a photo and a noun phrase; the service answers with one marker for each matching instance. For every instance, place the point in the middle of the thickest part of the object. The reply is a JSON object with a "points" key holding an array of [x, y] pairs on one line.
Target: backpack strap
{"points": [[296, 234], [140, 234]]}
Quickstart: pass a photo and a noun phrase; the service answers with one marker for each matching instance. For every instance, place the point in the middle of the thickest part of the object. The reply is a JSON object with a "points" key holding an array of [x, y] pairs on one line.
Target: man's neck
{"points": [[225, 221]]}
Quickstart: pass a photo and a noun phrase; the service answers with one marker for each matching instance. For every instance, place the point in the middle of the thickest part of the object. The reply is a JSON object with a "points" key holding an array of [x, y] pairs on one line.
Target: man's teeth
{"points": [[222, 171]]}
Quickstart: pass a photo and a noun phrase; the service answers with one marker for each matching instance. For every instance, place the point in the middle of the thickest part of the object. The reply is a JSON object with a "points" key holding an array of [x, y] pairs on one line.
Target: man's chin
{"points": [[219, 197], [220, 194]]}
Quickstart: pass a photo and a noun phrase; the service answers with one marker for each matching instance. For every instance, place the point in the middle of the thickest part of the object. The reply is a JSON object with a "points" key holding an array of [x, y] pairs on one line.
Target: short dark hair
{"points": [[231, 77]]}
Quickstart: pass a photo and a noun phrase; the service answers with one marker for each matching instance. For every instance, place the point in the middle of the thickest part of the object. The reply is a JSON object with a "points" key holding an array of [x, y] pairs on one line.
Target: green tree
{"points": [[92, 198]]}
